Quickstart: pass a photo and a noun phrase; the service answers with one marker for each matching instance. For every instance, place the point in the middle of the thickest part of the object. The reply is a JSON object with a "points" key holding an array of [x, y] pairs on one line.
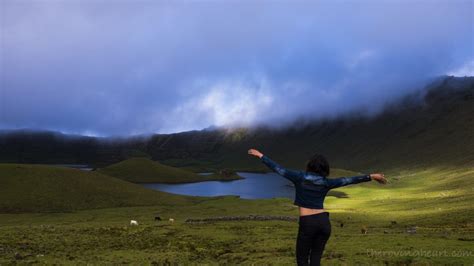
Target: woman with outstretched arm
{"points": [[311, 188]]}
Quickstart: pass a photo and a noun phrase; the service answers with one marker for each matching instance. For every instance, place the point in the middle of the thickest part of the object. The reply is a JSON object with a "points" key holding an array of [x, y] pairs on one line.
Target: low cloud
{"points": [[118, 68], [466, 70]]}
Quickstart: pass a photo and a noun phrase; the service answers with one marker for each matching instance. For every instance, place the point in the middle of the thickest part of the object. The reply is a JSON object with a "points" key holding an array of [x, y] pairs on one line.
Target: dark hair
{"points": [[318, 164]]}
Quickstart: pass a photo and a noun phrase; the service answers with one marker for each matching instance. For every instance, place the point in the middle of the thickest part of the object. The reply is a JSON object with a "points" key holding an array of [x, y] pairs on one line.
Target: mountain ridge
{"points": [[431, 126]]}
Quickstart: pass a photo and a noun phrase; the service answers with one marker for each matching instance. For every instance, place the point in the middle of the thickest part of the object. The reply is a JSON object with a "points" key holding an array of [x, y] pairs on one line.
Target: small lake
{"points": [[254, 186], [83, 167]]}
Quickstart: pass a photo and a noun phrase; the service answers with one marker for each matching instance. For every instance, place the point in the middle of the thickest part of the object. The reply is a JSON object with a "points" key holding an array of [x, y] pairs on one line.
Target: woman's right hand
{"points": [[255, 152], [379, 178]]}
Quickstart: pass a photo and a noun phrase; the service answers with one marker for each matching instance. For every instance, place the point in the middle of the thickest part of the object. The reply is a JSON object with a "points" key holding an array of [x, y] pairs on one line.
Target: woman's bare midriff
{"points": [[306, 211]]}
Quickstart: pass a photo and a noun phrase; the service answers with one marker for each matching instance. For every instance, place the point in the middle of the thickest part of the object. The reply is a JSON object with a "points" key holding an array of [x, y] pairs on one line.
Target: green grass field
{"points": [[39, 188], [438, 201], [56, 215], [143, 170]]}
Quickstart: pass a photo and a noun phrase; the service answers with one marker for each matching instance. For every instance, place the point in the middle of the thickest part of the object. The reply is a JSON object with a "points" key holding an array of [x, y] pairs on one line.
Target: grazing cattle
{"points": [[133, 222], [342, 225], [157, 218], [171, 220], [411, 230], [364, 230]]}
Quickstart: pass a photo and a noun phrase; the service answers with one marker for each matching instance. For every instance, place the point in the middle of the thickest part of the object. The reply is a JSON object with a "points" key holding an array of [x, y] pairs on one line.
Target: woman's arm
{"points": [[344, 181], [292, 175]]}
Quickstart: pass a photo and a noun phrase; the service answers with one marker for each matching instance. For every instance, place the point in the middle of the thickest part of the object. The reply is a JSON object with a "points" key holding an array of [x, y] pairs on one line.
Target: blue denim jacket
{"points": [[311, 189]]}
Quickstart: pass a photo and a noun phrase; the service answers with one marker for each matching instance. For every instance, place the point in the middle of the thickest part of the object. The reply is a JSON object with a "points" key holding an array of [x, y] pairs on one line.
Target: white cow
{"points": [[171, 220], [133, 222]]}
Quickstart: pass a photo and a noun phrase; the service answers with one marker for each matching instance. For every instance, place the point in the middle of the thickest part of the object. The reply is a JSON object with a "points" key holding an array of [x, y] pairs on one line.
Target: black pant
{"points": [[313, 233]]}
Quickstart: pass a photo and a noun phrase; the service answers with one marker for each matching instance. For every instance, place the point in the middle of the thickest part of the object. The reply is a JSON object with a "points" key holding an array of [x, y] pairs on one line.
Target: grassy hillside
{"points": [[437, 202], [432, 127], [143, 170], [424, 143], [38, 188]]}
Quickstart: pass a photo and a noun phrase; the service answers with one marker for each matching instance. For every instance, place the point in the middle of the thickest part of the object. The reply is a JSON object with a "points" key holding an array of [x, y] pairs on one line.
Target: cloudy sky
{"points": [[129, 67]]}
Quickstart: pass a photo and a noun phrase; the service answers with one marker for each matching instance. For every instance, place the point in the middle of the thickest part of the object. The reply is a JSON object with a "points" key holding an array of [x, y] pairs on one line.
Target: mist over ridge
{"points": [[432, 126], [141, 68]]}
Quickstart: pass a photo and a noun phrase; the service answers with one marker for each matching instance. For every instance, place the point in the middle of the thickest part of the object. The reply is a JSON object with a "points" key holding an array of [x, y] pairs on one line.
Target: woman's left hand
{"points": [[255, 152], [379, 177]]}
